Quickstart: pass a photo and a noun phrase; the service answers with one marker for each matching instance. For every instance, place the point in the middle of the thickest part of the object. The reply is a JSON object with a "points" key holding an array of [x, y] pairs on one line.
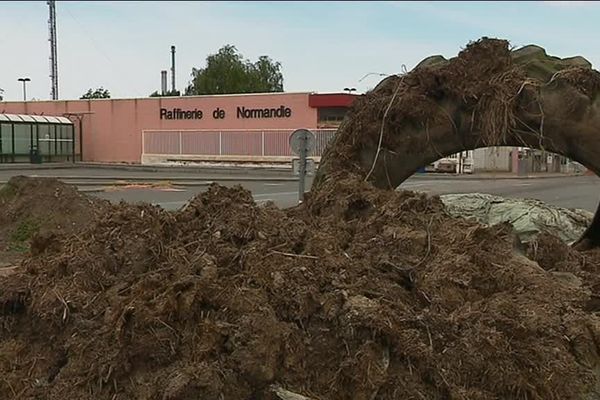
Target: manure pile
{"points": [[360, 293]]}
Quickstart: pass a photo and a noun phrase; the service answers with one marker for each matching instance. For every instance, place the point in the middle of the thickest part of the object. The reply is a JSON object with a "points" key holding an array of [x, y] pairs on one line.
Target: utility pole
{"points": [[53, 56]]}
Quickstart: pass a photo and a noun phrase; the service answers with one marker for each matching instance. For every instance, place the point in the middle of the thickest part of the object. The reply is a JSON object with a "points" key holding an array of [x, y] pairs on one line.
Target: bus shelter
{"points": [[36, 139]]}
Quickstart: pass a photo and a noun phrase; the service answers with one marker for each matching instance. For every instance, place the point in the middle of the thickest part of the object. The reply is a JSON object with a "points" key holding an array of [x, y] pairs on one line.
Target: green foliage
{"points": [[227, 72], [170, 93], [1, 94], [99, 93], [19, 238]]}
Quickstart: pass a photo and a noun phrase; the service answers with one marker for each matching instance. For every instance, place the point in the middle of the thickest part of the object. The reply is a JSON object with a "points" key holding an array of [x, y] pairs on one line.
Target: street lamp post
{"points": [[24, 80]]}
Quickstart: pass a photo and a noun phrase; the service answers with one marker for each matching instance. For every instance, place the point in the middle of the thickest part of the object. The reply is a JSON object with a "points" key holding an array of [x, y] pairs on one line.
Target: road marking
{"points": [[273, 184], [276, 194], [409, 184], [523, 184]]}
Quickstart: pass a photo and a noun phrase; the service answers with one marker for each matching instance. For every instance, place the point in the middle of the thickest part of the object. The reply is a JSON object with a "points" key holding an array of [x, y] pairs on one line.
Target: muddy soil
{"points": [[35, 209]]}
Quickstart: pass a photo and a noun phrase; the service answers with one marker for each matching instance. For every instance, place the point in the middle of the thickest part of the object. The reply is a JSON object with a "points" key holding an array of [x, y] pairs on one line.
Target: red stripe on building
{"points": [[317, 100]]}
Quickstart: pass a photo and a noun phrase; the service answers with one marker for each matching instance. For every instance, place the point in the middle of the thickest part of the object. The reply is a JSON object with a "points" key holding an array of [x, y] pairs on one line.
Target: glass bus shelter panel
{"points": [[65, 142], [54, 134], [46, 140], [45, 143], [55, 142], [6, 143], [23, 135]]}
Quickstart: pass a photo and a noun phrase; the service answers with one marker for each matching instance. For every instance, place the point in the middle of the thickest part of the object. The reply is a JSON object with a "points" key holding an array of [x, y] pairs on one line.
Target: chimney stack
{"points": [[173, 68], [163, 82]]}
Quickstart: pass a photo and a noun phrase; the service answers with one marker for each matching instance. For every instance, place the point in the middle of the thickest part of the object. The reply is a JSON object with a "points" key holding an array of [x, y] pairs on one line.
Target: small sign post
{"points": [[302, 142]]}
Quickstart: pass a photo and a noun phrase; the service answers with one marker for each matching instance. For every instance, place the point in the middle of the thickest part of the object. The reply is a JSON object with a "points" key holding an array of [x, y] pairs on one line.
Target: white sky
{"points": [[323, 46]]}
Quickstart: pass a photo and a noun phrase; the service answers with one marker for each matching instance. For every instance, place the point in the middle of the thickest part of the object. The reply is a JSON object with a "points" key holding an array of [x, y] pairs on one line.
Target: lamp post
{"points": [[24, 80], [349, 90]]}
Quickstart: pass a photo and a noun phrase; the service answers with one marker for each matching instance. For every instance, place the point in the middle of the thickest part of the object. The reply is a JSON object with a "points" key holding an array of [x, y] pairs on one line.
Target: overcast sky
{"points": [[323, 46]]}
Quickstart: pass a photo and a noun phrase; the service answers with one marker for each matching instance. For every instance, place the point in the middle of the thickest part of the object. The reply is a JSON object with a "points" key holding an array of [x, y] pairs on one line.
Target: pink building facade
{"points": [[191, 127]]}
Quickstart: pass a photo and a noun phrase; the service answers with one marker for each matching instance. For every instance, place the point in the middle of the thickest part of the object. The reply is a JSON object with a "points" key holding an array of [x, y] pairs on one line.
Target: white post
{"points": [[180, 144], [220, 143], [263, 143]]}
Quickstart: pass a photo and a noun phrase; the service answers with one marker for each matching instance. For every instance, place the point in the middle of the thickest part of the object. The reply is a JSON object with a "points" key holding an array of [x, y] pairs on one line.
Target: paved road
{"points": [[572, 192], [284, 194]]}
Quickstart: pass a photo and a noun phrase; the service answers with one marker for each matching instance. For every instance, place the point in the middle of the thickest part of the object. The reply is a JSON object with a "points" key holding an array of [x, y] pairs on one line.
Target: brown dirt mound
{"points": [[482, 79], [580, 268], [35, 209], [359, 294], [486, 96]]}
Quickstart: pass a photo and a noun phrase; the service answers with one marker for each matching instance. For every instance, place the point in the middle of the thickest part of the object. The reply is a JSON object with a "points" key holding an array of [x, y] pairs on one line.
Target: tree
{"points": [[267, 76], [1, 94], [227, 72], [99, 93], [169, 93]]}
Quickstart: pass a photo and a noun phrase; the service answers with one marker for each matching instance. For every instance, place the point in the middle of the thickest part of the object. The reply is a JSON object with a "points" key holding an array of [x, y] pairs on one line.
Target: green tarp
{"points": [[529, 217]]}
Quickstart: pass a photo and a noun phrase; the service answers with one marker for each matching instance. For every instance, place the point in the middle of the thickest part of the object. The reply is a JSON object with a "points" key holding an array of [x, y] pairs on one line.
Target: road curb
{"points": [[166, 178], [130, 183], [244, 170], [475, 177], [241, 170]]}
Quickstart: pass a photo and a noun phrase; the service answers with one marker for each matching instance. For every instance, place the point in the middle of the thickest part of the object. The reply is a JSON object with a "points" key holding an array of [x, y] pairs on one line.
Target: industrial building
{"points": [[193, 128], [234, 128]]}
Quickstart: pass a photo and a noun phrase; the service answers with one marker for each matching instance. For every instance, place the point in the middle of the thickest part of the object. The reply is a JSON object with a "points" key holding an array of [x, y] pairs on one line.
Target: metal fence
{"points": [[250, 142]]}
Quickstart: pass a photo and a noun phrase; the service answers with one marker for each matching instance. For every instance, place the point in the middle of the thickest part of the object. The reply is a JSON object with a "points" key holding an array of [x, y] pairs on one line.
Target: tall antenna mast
{"points": [[53, 57]]}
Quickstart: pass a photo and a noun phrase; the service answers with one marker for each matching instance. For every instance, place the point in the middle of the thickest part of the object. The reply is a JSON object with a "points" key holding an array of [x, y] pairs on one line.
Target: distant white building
{"points": [[499, 159]]}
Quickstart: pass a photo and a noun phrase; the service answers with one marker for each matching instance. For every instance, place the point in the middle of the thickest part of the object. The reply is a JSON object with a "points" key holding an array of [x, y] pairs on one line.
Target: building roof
{"points": [[159, 97], [345, 98], [42, 119]]}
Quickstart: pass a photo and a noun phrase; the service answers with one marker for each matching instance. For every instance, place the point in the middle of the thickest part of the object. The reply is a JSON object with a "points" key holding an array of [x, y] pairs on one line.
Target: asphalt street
{"points": [[569, 192], [172, 188]]}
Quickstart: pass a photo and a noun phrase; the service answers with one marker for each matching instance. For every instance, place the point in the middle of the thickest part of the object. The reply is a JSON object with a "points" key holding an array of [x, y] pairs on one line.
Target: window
{"points": [[332, 114]]}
